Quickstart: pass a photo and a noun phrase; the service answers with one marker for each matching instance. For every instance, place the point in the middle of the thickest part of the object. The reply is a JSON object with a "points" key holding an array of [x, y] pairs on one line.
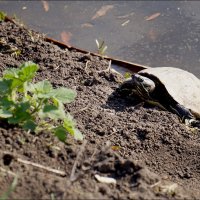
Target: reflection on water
{"points": [[170, 38]]}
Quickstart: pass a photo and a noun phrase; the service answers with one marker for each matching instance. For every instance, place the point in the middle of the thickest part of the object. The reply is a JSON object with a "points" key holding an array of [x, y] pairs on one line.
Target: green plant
{"points": [[11, 188], [101, 47], [127, 75], [2, 16], [36, 106]]}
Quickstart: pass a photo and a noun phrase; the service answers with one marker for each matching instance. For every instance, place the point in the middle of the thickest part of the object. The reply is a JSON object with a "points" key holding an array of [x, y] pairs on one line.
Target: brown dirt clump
{"points": [[148, 151]]}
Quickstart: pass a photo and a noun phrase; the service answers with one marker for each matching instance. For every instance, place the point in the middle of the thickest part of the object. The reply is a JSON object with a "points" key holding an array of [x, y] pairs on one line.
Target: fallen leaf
{"points": [[125, 23], [87, 25], [125, 16], [154, 16], [45, 6], [65, 37], [169, 189], [103, 179], [102, 11], [152, 35], [115, 148]]}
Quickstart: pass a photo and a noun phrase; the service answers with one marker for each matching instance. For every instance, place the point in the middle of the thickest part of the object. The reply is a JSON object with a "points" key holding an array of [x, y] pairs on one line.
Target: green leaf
{"points": [[20, 114], [42, 89], [2, 16], [27, 71], [78, 135], [64, 95], [60, 133], [52, 112], [69, 125], [5, 113], [69, 122], [11, 73], [10, 190], [5, 86], [6, 103], [29, 125], [127, 75]]}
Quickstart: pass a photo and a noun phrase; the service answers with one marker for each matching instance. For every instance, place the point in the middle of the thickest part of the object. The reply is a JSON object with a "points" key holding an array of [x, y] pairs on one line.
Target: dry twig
{"points": [[73, 177], [55, 171], [106, 70], [7, 171]]}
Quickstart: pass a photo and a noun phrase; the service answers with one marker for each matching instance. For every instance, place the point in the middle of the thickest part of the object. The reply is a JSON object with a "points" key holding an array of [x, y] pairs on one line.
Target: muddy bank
{"points": [[148, 151]]}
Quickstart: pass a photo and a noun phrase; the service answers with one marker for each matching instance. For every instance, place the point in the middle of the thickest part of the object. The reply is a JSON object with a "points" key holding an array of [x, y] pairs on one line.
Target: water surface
{"points": [[170, 39]]}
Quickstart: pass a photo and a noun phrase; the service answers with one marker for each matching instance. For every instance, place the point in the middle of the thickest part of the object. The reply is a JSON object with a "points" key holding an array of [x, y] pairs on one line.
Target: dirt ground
{"points": [[149, 152]]}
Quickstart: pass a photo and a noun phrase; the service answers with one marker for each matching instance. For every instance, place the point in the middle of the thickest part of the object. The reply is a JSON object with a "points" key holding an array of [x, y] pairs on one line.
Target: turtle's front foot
{"points": [[193, 122]]}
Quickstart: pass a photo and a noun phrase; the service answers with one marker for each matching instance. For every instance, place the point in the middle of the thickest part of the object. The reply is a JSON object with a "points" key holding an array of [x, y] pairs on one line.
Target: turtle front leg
{"points": [[186, 116], [193, 122], [156, 103]]}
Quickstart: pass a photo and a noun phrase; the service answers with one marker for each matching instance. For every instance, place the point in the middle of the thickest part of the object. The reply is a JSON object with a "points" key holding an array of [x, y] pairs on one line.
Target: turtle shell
{"points": [[181, 85]]}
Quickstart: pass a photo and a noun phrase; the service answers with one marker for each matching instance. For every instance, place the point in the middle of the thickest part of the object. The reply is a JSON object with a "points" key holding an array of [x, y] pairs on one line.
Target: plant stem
{"points": [[37, 108]]}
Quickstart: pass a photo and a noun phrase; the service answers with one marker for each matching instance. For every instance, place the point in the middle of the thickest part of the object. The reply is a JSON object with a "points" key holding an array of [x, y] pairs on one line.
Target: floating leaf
{"points": [[87, 25], [45, 6], [66, 37], [154, 16], [125, 23], [125, 16], [102, 11]]}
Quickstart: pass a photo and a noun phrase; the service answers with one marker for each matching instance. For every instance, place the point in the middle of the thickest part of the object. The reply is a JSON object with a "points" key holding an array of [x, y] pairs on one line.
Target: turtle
{"points": [[169, 88]]}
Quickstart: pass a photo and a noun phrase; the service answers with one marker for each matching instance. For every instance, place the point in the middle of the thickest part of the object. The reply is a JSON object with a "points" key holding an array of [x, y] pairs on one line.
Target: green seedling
{"points": [[52, 195], [16, 53], [101, 47], [11, 189], [18, 20], [36, 106], [127, 75], [2, 16]]}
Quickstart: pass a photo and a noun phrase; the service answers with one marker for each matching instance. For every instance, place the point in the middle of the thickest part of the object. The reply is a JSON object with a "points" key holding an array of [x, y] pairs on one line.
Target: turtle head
{"points": [[139, 85], [143, 82]]}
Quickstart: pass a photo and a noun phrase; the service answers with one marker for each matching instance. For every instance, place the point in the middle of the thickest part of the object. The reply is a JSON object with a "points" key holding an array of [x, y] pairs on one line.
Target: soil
{"points": [[149, 152]]}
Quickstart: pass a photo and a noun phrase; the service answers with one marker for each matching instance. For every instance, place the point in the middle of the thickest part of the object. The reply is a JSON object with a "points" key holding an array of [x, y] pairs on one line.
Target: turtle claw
{"points": [[192, 122], [195, 123]]}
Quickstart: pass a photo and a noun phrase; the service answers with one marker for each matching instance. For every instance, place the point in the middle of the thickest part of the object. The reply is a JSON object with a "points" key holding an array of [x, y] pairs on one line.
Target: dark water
{"points": [[170, 39]]}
